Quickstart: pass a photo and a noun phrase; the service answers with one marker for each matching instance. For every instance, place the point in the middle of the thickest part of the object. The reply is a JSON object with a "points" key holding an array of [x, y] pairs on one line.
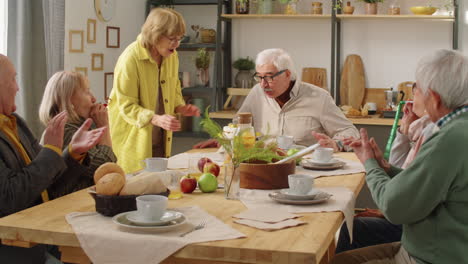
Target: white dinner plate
{"points": [[321, 197], [168, 216], [293, 196], [123, 223]]}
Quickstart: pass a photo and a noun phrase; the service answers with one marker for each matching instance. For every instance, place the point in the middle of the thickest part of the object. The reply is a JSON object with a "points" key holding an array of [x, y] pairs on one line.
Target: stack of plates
{"points": [[332, 164], [133, 221], [285, 196]]}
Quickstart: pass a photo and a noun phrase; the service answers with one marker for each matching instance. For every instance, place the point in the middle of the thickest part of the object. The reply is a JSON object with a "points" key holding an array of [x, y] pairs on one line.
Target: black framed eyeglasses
{"points": [[268, 79]]}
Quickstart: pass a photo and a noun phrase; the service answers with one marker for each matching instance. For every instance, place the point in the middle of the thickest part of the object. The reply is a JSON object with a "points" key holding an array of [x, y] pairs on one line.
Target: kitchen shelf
{"points": [[192, 134], [276, 16], [197, 89], [195, 46], [397, 17]]}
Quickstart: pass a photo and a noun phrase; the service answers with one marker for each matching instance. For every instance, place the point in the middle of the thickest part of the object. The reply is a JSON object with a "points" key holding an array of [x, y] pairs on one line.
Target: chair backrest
{"points": [[315, 76], [388, 147], [407, 88]]}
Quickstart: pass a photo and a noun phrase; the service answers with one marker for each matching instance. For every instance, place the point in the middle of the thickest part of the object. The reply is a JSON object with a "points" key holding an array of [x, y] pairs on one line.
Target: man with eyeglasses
{"points": [[285, 106]]}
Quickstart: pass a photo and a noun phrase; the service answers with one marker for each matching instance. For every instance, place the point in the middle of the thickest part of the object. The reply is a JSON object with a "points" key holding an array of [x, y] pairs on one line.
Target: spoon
{"points": [[299, 154]]}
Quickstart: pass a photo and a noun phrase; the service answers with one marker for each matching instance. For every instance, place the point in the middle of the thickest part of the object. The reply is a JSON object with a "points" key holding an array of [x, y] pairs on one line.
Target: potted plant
{"points": [[244, 78], [242, 6], [371, 6], [202, 62]]}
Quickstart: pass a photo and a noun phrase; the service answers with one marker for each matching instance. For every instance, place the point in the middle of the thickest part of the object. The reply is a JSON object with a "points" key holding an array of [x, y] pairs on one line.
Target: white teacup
{"points": [[323, 154], [300, 184], [151, 207], [155, 164], [285, 142]]}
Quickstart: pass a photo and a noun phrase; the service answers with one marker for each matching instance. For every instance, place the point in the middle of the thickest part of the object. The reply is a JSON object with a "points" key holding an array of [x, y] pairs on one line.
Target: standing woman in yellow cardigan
{"points": [[146, 92]]}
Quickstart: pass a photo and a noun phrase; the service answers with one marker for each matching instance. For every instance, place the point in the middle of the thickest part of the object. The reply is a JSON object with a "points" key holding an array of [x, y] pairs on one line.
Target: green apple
{"points": [[292, 152], [207, 183]]}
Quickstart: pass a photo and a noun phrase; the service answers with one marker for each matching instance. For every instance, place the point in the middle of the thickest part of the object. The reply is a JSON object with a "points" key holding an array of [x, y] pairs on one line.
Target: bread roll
{"points": [[110, 184], [106, 168], [144, 183]]}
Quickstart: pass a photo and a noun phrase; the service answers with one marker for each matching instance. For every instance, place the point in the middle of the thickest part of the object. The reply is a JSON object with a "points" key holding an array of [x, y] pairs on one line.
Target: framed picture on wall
{"points": [[82, 70], [91, 31], [97, 61], [113, 37], [108, 84], [75, 41]]}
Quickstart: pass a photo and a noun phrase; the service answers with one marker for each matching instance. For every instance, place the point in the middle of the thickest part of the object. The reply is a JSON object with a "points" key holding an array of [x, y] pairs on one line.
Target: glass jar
{"points": [[265, 7], [242, 6], [245, 131], [317, 8], [291, 8]]}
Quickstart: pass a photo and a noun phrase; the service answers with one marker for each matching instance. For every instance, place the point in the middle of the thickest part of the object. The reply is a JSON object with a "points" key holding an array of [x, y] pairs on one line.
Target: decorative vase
{"points": [[242, 6], [317, 8], [231, 181], [348, 9], [203, 76], [244, 79], [371, 8]]}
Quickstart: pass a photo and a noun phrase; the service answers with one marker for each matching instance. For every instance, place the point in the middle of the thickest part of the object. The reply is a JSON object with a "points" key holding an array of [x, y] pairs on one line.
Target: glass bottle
{"points": [[394, 8], [265, 7], [245, 131]]}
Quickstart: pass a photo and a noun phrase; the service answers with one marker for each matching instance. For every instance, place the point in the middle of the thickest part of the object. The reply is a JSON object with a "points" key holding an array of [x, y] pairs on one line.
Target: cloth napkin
{"points": [[342, 200], [350, 167], [180, 161], [268, 219], [100, 238]]}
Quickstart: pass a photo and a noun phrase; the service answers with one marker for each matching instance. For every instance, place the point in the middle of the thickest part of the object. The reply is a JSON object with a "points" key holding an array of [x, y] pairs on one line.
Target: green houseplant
{"points": [[244, 76], [202, 62]]}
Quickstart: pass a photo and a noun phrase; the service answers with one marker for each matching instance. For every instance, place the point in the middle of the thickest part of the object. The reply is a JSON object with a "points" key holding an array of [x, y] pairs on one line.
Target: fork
{"points": [[201, 225]]}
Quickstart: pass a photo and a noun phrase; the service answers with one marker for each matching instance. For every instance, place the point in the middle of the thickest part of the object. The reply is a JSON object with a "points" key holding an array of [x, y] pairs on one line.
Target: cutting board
{"points": [[407, 88], [315, 76], [353, 82]]}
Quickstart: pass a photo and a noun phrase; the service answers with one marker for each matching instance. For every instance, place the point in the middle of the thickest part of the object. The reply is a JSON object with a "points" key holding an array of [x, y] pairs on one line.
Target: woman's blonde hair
{"points": [[57, 96], [161, 22]]}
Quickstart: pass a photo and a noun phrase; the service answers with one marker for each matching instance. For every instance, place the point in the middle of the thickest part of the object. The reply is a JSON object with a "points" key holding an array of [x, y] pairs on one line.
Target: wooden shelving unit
{"points": [[397, 17], [276, 16]]}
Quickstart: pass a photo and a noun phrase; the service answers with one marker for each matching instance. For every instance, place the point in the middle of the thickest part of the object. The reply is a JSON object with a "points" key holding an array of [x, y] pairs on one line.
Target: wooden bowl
{"points": [[266, 176], [423, 10]]}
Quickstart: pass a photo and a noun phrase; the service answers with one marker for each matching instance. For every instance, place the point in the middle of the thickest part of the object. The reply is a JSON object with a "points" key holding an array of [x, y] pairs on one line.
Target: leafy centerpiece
{"points": [[263, 151]]}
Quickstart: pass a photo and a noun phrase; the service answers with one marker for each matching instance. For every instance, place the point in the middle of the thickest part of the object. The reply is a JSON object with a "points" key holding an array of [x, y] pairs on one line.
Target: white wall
{"points": [[129, 16]]}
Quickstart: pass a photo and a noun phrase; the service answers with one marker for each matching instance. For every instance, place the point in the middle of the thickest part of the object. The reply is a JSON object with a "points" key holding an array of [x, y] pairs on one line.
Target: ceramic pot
{"points": [[348, 9], [371, 8], [203, 76], [244, 79]]}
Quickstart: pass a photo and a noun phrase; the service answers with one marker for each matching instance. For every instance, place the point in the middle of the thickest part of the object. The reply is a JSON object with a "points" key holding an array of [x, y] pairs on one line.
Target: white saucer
{"points": [[168, 216], [123, 223], [331, 162], [293, 196], [320, 197]]}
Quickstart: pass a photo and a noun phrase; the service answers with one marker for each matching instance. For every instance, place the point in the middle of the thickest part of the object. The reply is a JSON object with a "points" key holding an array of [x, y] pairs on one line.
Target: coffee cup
{"points": [[371, 108], [300, 184], [151, 207], [323, 154], [155, 164], [285, 142]]}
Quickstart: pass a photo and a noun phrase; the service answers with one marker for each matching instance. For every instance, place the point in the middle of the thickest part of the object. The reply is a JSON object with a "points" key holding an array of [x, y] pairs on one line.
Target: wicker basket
{"points": [[266, 176], [110, 205]]}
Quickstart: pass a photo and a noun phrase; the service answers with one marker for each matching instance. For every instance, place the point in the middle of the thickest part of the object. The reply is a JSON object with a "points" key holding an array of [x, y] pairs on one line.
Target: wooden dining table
{"points": [[310, 243]]}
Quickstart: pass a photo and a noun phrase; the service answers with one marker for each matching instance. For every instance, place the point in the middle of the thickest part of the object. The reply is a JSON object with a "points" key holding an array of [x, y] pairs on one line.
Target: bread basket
{"points": [[110, 205]]}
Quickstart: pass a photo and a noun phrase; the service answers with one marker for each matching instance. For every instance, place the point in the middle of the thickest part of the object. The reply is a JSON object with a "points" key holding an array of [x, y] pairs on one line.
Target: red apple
{"points": [[201, 163], [281, 152], [188, 184], [211, 167]]}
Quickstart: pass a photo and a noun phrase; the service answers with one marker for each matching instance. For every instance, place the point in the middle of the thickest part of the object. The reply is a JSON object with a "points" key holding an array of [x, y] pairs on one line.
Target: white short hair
{"points": [[446, 73], [279, 58]]}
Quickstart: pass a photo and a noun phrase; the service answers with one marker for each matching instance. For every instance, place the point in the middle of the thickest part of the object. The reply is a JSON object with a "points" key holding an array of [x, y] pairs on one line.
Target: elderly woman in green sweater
{"points": [[430, 197]]}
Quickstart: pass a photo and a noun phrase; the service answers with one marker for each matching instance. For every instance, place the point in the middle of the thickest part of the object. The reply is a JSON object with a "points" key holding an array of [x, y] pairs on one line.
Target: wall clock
{"points": [[105, 9]]}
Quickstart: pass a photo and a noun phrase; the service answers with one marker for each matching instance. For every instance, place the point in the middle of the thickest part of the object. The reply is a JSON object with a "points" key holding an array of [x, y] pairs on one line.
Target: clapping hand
{"points": [[325, 141], [54, 131], [99, 115], [188, 110], [85, 139]]}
